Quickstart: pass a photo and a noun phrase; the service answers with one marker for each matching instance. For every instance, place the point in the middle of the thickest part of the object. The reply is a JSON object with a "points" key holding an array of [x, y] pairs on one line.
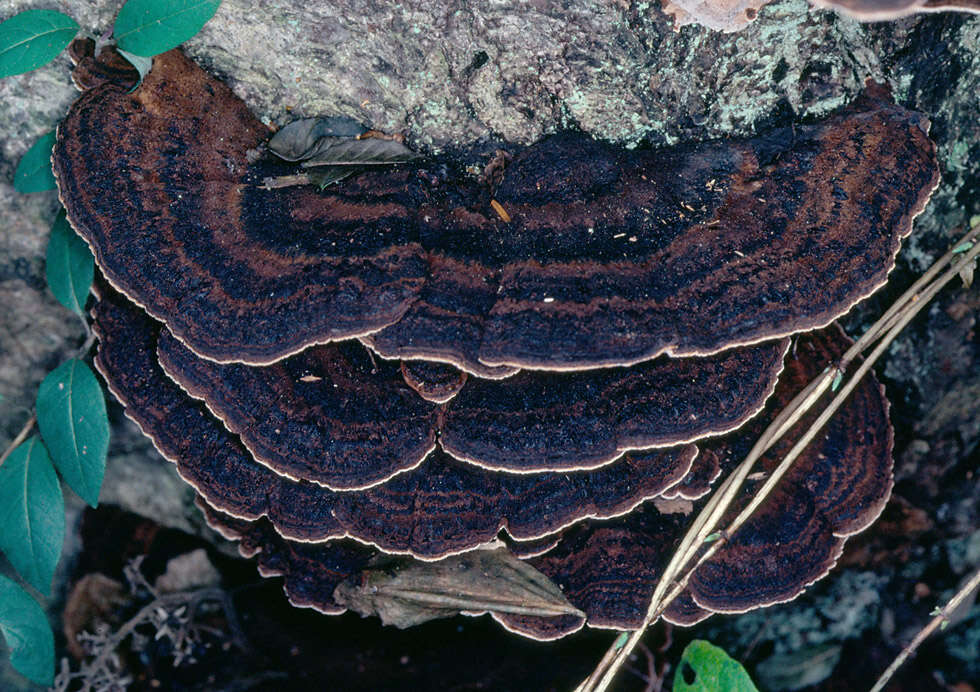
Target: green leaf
{"points": [[838, 378], [32, 513], [33, 38], [33, 173], [151, 27], [72, 417], [70, 267], [27, 632], [143, 65], [706, 668]]}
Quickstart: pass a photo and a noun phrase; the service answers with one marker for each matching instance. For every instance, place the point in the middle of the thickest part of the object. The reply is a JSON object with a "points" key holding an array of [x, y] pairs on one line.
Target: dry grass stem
{"points": [[961, 595], [21, 436]]}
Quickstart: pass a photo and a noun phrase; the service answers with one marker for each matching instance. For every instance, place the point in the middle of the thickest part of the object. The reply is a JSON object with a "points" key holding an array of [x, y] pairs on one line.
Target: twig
{"points": [[86, 345], [191, 601], [284, 181], [961, 595], [886, 329], [21, 436], [651, 676]]}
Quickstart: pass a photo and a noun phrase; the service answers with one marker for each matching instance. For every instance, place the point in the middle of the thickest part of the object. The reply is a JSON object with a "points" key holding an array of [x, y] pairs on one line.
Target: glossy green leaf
{"points": [[32, 513], [838, 378], [33, 173], [72, 417], [33, 38], [70, 267], [27, 632], [151, 27], [706, 668]]}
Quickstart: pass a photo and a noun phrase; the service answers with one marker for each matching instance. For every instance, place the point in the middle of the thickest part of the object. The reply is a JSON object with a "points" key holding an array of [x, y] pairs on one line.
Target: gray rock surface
{"points": [[473, 75]]}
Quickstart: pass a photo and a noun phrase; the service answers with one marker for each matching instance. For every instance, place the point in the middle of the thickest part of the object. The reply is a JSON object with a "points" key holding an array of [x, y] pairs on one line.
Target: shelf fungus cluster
{"points": [[404, 401]]}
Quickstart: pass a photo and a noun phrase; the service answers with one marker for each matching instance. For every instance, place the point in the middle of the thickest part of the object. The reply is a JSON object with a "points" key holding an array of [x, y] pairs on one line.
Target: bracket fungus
{"points": [[837, 488], [337, 417], [435, 382], [443, 506], [733, 15], [547, 374], [765, 236], [609, 569]]}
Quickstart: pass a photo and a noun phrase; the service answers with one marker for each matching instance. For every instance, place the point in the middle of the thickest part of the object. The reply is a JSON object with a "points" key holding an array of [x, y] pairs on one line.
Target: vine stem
{"points": [[943, 616], [961, 255], [21, 436]]}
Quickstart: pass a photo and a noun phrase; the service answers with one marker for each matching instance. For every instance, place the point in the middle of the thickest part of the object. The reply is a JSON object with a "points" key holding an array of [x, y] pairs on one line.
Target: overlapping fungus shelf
{"points": [[441, 507], [548, 375], [336, 416], [609, 569], [611, 256]]}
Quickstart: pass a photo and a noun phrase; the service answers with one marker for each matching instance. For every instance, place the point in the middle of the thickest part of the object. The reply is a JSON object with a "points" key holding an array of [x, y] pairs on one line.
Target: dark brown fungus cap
{"points": [[311, 572], [435, 382], [337, 416], [609, 569], [178, 222], [444, 506], [879, 10], [110, 67], [333, 415], [536, 419], [704, 471], [661, 251], [836, 488], [611, 256]]}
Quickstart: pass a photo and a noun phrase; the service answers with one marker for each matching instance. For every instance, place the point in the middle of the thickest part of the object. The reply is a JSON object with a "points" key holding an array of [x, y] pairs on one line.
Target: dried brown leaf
{"points": [[405, 592]]}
